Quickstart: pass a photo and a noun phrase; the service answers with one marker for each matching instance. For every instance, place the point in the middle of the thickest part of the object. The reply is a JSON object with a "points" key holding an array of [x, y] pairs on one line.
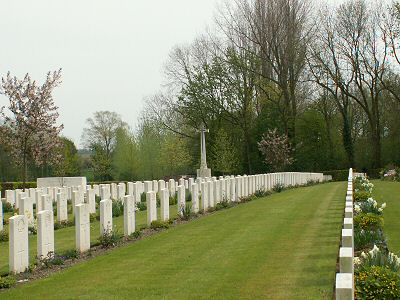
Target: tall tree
{"points": [[30, 127], [100, 136]]}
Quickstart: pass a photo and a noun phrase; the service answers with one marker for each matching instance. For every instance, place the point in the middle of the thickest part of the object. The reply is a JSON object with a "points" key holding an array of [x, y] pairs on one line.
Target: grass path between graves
{"points": [[280, 247], [389, 192]]}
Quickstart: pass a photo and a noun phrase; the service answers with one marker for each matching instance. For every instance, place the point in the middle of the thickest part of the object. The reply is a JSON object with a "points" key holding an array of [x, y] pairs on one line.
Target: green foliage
{"points": [[50, 260], [377, 257], [15, 185], [366, 239], [7, 207], [109, 238], [225, 159], [262, 193], [135, 235], [278, 187], [368, 221], [186, 212], [7, 281], [377, 282], [159, 225], [338, 175], [63, 224], [117, 208], [93, 217], [70, 163], [125, 156], [361, 196], [70, 254], [141, 206], [3, 236], [173, 200]]}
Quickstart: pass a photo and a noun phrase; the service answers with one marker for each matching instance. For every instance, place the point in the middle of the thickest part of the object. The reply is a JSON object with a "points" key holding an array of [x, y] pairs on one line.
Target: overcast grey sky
{"points": [[111, 52]]}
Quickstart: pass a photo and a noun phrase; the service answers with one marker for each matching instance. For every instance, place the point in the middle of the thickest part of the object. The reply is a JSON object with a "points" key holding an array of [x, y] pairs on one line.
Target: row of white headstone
{"points": [[205, 193], [345, 278]]}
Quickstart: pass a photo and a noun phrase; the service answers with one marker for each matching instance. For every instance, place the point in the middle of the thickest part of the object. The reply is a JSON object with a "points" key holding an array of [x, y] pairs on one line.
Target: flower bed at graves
{"points": [[376, 269]]}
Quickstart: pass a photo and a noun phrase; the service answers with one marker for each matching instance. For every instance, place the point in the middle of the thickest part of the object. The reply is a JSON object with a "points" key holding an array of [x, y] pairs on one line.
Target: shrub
{"points": [[117, 208], [3, 236], [377, 282], [49, 260], [7, 207], [141, 206], [70, 254], [159, 225], [366, 239], [93, 217], [261, 193], [135, 235], [63, 224], [361, 196], [143, 197], [338, 175], [278, 187], [311, 182], [211, 209], [368, 221], [186, 211], [188, 196], [109, 238], [7, 281], [173, 199]]}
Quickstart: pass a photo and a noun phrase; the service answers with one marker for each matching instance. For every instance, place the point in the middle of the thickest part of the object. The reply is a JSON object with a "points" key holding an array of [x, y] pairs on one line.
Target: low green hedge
{"points": [[338, 175], [15, 185]]}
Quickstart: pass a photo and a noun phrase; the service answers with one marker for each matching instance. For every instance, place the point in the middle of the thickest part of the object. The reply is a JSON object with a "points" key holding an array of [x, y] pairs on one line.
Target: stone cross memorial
{"points": [[203, 171]]}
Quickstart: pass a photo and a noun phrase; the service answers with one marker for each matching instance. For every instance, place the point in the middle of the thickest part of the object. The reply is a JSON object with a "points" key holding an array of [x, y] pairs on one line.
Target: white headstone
{"points": [[47, 203], [164, 199], [181, 199], [129, 215], [10, 196], [151, 207], [91, 200], [26, 208], [210, 195], [106, 221], [195, 197], [82, 227], [204, 194], [45, 234], [136, 192], [113, 191], [18, 244], [62, 208]]}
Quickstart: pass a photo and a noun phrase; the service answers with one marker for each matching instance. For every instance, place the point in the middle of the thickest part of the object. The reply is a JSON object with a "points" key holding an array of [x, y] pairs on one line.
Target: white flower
{"points": [[383, 206], [374, 251], [380, 209], [357, 208], [364, 255], [357, 260]]}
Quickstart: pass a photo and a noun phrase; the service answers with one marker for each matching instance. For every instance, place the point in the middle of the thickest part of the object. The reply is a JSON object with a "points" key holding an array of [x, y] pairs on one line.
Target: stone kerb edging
{"points": [[344, 284], [210, 191]]}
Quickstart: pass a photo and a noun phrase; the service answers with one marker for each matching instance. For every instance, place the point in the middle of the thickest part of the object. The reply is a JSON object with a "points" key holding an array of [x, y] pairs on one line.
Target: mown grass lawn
{"points": [[389, 192], [279, 247], [65, 237]]}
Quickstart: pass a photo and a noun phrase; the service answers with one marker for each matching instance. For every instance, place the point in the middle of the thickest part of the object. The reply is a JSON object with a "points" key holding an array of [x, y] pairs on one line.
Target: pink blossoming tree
{"points": [[276, 149], [29, 127]]}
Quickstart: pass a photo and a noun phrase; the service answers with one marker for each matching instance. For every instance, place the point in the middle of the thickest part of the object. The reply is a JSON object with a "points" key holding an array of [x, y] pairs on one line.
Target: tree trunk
{"points": [[348, 141]]}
